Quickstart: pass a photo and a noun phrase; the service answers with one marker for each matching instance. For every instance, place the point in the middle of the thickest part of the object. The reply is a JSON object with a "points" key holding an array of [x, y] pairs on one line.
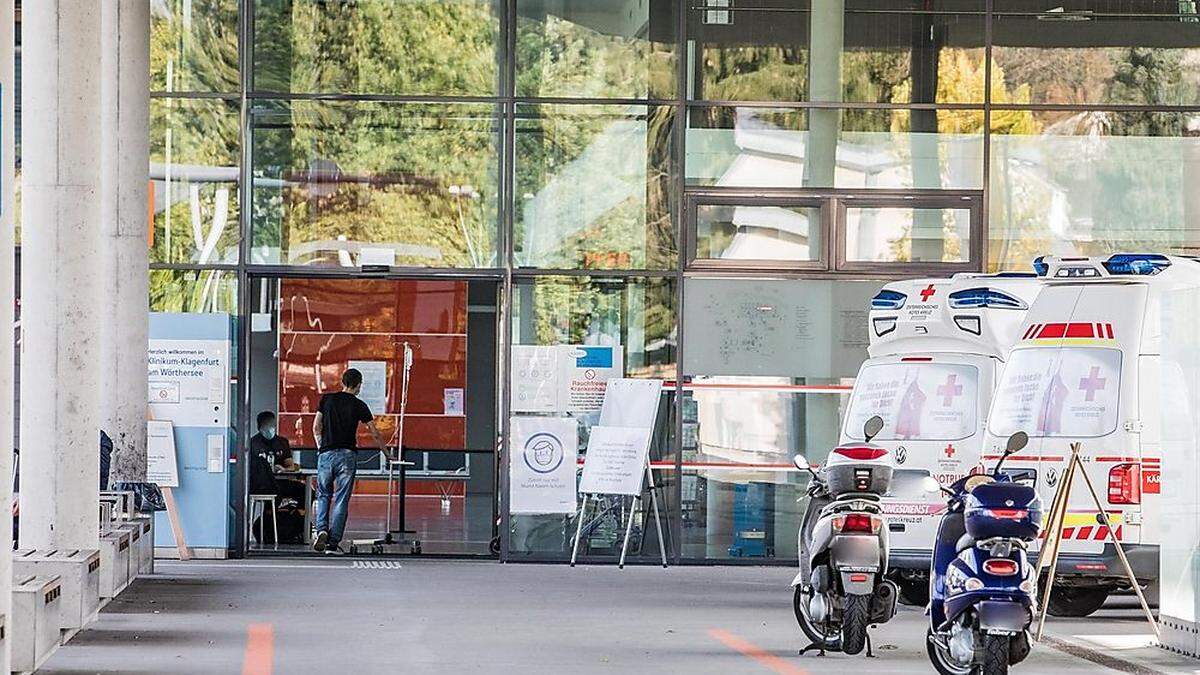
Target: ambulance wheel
{"points": [[914, 592], [1076, 602]]}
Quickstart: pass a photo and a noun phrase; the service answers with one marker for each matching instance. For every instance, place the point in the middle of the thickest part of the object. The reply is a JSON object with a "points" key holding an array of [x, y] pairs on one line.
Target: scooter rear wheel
{"points": [[995, 655], [855, 617], [830, 642]]}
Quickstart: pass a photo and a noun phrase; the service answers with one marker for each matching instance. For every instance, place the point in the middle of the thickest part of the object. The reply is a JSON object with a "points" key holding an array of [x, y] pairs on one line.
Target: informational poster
{"points": [[563, 378], [189, 381], [1059, 392], [374, 384], [542, 468], [216, 453], [534, 378], [454, 402], [615, 463], [162, 468], [917, 401], [584, 372]]}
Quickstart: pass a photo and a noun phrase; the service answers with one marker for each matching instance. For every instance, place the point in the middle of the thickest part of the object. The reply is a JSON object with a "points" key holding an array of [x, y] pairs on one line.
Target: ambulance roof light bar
{"points": [[1136, 263], [1117, 264], [977, 298], [887, 299]]}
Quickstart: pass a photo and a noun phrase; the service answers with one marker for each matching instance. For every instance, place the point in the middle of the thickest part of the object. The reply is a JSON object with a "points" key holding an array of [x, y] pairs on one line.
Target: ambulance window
{"points": [[1058, 392], [917, 401]]}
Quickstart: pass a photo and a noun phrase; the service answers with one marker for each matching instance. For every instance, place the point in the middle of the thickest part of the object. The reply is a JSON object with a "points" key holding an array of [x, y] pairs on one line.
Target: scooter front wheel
{"points": [[829, 641]]}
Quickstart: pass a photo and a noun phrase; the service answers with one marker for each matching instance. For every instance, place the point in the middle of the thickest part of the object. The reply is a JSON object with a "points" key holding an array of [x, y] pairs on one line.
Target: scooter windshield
{"points": [[918, 401], [1054, 392]]}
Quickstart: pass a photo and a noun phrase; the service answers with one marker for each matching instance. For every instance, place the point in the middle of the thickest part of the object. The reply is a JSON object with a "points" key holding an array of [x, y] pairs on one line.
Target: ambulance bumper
{"points": [[910, 559], [1086, 569]]}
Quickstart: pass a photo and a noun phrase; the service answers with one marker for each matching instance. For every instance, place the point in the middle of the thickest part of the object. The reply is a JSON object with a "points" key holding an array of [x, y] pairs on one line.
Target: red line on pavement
{"points": [[753, 651], [260, 649]]}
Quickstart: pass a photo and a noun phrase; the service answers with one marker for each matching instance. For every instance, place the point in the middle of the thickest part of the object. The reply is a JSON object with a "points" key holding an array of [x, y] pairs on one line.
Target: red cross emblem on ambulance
{"points": [[950, 390], [949, 450], [927, 292]]}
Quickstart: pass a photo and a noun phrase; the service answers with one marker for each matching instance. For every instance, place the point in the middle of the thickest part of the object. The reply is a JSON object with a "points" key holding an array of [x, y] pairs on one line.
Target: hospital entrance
{"points": [[427, 351]]}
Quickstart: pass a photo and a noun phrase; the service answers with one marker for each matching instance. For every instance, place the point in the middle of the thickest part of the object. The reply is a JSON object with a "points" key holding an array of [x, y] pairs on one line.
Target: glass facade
{"points": [[713, 189]]}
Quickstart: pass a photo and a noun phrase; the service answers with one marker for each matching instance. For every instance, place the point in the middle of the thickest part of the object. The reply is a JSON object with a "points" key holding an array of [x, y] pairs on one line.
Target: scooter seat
{"points": [[964, 542]]}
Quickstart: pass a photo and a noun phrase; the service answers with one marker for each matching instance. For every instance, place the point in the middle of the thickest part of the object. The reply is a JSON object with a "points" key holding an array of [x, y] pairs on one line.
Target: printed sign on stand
{"points": [[545, 453], [162, 468], [374, 384], [616, 461]]}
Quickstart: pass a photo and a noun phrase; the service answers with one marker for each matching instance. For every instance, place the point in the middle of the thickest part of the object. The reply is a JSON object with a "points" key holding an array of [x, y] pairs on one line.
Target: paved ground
{"points": [[437, 616]]}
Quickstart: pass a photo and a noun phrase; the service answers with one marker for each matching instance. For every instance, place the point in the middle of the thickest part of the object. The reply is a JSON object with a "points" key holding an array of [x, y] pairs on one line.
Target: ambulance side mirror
{"points": [[872, 428]]}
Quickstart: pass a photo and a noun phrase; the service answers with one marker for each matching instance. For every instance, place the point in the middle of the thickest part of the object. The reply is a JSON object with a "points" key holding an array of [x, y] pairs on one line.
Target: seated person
{"points": [[271, 455]]}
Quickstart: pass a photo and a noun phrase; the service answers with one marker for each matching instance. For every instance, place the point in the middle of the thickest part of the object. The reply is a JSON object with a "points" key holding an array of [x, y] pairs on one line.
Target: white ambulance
{"points": [[1088, 368], [937, 348]]}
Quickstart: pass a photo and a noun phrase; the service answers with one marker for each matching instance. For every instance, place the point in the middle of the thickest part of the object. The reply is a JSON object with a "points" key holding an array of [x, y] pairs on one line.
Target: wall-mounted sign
{"points": [[542, 466], [563, 378]]}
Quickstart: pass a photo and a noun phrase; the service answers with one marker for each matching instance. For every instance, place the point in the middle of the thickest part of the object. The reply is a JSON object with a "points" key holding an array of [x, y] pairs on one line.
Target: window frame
{"points": [[833, 204]]}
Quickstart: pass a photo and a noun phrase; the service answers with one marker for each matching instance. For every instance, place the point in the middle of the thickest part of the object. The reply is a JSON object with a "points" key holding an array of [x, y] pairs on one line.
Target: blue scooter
{"points": [[982, 586]]}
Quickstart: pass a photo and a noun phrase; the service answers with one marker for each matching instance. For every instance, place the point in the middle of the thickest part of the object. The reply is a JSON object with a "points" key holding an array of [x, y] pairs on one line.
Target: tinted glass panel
{"points": [[862, 51], [593, 187], [758, 232], [193, 291], [596, 49], [194, 146], [194, 45], [1143, 53], [1093, 182], [776, 147], [350, 183], [904, 234], [443, 47]]}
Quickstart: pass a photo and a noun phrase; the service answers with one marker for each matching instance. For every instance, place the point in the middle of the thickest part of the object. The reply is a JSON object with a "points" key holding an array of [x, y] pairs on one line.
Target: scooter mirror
{"points": [[1016, 443], [872, 428], [802, 463]]}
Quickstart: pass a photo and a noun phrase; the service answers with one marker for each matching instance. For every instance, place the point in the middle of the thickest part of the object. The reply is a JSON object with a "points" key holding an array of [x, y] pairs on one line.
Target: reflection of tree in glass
{"points": [[194, 43]]}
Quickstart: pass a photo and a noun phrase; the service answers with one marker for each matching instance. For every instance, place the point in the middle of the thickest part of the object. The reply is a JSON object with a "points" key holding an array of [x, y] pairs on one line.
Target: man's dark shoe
{"points": [[334, 550], [321, 542]]}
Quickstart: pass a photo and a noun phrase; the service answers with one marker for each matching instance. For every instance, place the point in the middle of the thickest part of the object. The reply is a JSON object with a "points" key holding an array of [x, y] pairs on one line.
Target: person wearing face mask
{"points": [[270, 455]]}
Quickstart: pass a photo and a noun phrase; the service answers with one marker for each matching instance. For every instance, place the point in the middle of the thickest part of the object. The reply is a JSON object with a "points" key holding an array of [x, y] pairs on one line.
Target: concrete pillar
{"points": [[60, 274], [125, 161], [8, 93], [826, 37]]}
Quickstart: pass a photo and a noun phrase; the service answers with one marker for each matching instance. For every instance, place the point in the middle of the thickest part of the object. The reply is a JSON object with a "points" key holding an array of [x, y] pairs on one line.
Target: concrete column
{"points": [[60, 274], [8, 94], [826, 37], [125, 161]]}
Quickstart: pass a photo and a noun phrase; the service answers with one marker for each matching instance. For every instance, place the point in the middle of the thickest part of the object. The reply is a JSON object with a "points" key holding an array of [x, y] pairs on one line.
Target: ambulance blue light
{"points": [[1136, 263], [976, 298], [886, 299], [1040, 266]]}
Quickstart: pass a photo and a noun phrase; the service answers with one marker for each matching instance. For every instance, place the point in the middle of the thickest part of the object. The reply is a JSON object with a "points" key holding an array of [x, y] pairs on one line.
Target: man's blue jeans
{"points": [[339, 466]]}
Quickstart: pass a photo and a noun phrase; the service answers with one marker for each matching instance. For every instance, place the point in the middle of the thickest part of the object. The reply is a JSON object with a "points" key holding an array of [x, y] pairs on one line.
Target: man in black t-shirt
{"points": [[336, 432]]}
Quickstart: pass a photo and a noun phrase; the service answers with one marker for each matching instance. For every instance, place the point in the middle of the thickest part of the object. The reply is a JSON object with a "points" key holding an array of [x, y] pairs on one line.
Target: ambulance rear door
{"points": [[932, 407], [1073, 377]]}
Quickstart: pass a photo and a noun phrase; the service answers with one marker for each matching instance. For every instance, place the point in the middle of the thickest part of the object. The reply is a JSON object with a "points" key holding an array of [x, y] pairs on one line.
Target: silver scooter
{"points": [[840, 589]]}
